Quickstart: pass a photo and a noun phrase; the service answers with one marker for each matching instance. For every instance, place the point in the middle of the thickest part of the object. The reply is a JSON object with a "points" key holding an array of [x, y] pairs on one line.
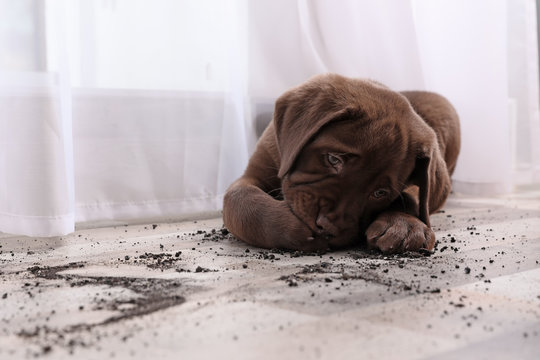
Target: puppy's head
{"points": [[348, 148]]}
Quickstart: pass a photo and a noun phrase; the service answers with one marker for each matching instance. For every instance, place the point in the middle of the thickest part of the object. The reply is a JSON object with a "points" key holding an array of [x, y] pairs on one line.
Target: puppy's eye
{"points": [[333, 160], [380, 193]]}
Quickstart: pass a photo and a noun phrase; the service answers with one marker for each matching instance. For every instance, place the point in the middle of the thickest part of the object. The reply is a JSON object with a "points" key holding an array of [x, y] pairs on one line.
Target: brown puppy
{"points": [[346, 160]]}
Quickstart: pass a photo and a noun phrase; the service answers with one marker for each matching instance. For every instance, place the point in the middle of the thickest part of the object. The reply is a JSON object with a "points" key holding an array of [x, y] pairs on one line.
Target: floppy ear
{"points": [[299, 114], [430, 172], [421, 176], [424, 147]]}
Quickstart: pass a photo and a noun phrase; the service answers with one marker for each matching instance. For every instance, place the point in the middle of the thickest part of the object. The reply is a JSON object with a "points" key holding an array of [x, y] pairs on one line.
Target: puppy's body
{"points": [[343, 160]]}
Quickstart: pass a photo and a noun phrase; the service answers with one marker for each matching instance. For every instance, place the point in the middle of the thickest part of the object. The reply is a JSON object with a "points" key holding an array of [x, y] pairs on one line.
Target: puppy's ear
{"points": [[430, 173], [299, 114], [421, 176]]}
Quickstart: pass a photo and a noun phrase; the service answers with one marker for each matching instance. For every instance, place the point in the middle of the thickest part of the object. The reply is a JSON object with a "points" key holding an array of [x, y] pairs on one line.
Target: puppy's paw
{"points": [[293, 234], [394, 232]]}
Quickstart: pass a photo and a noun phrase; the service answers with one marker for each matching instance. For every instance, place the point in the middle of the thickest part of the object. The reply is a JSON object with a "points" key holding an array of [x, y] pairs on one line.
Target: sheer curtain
{"points": [[137, 112], [131, 110]]}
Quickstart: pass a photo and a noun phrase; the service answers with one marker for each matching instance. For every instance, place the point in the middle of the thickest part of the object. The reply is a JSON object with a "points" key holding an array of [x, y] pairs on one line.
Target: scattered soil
{"points": [[156, 294], [366, 270], [401, 275], [157, 261], [149, 295]]}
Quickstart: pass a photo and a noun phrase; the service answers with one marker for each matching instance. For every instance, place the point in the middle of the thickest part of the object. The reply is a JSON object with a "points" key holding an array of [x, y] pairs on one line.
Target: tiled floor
{"points": [[167, 292]]}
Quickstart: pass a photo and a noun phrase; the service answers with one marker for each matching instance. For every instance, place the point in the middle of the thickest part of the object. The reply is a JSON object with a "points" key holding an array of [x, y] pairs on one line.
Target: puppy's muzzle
{"points": [[326, 227]]}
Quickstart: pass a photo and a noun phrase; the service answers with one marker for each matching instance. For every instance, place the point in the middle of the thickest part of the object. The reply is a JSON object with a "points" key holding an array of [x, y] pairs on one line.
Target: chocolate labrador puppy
{"points": [[343, 161]]}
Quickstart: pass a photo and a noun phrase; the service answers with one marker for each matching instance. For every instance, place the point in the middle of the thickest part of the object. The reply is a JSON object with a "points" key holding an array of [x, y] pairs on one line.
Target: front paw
{"points": [[309, 244], [295, 235], [298, 236], [394, 232]]}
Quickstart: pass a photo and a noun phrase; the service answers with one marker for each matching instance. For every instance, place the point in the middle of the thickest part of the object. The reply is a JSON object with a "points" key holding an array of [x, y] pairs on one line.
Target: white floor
{"points": [[164, 291]]}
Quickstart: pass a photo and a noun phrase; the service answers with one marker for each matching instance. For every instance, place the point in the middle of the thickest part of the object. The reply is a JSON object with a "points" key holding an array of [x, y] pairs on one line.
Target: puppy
{"points": [[343, 161]]}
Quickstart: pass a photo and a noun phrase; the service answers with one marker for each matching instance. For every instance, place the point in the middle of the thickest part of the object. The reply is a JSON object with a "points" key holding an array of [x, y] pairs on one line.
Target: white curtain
{"points": [[116, 111]]}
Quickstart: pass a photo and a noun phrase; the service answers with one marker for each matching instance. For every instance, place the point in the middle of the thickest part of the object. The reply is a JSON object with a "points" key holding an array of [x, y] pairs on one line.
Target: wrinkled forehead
{"points": [[362, 136]]}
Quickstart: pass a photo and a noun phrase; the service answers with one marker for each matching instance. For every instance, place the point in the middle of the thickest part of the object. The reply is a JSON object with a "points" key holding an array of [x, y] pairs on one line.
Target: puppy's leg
{"points": [[395, 231], [257, 218], [405, 226]]}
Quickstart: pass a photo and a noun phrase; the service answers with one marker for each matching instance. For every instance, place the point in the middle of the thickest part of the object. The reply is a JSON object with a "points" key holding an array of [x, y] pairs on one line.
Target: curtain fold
{"points": [[36, 166], [36, 142], [129, 110]]}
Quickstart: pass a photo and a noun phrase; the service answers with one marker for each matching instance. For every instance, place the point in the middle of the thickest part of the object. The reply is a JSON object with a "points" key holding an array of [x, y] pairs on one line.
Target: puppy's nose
{"points": [[326, 226]]}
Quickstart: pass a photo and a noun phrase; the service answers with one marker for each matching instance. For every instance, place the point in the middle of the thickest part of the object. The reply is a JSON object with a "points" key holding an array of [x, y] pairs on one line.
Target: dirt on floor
{"points": [[181, 266]]}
